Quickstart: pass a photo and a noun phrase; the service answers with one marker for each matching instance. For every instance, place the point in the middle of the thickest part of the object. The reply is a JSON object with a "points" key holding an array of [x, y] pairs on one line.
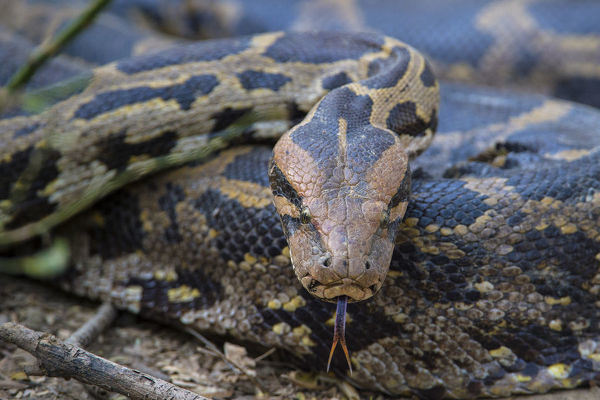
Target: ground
{"points": [[161, 351]]}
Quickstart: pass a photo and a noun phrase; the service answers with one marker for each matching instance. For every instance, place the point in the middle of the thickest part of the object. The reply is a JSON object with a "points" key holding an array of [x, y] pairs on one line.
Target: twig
{"points": [[230, 363], [215, 351], [82, 337], [265, 355], [49, 48], [69, 361]]}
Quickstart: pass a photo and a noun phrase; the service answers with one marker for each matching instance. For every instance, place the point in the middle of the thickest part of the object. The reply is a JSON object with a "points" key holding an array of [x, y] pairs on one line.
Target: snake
{"points": [[492, 286]]}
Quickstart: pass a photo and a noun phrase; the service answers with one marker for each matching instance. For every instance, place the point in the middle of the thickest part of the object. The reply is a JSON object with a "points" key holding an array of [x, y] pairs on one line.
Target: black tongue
{"points": [[339, 331]]}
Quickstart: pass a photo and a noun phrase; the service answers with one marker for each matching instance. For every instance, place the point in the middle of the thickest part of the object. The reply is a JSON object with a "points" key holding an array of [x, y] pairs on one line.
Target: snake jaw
{"points": [[332, 260], [330, 292], [340, 275], [339, 332]]}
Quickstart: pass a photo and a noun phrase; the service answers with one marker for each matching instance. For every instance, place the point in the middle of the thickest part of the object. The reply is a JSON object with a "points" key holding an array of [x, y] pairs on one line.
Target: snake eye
{"points": [[385, 220], [305, 215]]}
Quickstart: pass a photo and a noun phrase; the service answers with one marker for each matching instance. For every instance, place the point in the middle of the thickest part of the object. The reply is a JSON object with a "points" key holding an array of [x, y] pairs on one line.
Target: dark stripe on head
{"points": [[228, 116], [385, 72], [363, 141], [185, 94], [365, 145], [427, 76], [281, 187], [403, 192], [323, 47], [401, 195], [319, 136], [204, 51], [26, 130], [355, 109], [115, 152], [252, 79], [335, 81], [290, 224], [403, 119]]}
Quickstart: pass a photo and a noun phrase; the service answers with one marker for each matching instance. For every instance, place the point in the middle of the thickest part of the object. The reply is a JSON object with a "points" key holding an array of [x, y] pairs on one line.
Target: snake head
{"points": [[340, 210]]}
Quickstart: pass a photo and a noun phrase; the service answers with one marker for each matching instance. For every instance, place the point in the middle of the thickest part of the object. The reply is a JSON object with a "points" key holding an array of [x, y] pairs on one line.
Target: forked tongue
{"points": [[339, 331]]}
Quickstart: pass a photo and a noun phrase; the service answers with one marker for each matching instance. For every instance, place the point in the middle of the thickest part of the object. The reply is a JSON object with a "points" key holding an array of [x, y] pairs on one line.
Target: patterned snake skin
{"points": [[494, 283]]}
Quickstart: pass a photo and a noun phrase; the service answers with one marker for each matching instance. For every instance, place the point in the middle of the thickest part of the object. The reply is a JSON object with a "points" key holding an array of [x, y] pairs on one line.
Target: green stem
{"points": [[49, 48], [46, 263]]}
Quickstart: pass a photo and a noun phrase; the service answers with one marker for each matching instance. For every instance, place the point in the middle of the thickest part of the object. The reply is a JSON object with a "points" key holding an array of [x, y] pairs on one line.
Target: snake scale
{"points": [[493, 286]]}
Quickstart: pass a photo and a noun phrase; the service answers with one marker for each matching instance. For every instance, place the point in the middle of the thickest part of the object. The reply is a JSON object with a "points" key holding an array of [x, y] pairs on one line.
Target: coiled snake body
{"points": [[493, 282]]}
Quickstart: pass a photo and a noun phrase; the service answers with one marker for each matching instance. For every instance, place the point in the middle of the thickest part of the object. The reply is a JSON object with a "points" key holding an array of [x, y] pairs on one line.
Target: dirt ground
{"points": [[162, 352]]}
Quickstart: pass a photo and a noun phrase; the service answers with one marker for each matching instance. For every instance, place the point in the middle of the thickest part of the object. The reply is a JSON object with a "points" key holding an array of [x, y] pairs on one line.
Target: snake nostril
{"points": [[367, 265], [373, 288], [327, 262], [313, 285]]}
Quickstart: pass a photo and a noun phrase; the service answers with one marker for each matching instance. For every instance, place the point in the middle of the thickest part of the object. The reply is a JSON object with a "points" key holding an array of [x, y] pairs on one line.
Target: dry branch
{"points": [[83, 336], [61, 359]]}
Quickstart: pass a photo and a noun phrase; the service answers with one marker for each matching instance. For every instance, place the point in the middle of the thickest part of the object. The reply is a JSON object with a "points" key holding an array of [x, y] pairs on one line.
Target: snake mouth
{"points": [[343, 287]]}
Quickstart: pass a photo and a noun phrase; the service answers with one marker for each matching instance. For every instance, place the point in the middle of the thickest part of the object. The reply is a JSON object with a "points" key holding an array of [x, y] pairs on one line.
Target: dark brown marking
{"points": [[335, 81], [26, 130], [322, 47], [122, 230], [11, 170], [204, 51], [385, 72], [168, 203], [185, 94], [427, 76], [228, 116], [116, 152], [252, 79], [403, 119], [40, 169]]}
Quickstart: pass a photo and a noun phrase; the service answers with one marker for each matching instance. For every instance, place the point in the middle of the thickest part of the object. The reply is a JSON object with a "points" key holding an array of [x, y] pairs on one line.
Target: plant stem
{"points": [[49, 48]]}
